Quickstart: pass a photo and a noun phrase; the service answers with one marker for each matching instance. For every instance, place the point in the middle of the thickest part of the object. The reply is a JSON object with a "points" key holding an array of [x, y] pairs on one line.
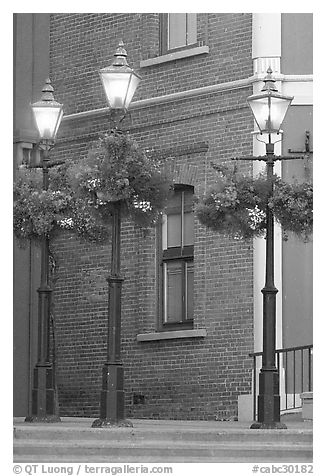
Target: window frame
{"points": [[184, 255], [164, 36]]}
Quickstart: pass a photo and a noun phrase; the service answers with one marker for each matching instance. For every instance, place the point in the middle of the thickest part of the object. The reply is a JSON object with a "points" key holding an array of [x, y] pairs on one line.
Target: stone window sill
{"points": [[182, 334], [197, 50]]}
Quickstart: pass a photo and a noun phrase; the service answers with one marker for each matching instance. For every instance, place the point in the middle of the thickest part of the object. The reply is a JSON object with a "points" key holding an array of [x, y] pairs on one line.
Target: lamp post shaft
{"points": [[269, 398], [44, 291], [112, 393], [43, 392], [269, 291], [115, 286]]}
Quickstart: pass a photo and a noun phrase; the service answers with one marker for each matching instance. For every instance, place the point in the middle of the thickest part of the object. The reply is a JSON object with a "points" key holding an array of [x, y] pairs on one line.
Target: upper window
{"points": [[177, 260], [178, 30]]}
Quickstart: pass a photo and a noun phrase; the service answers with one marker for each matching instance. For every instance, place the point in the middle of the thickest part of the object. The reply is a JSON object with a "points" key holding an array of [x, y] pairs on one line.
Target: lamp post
{"points": [[47, 114], [120, 83], [269, 109]]}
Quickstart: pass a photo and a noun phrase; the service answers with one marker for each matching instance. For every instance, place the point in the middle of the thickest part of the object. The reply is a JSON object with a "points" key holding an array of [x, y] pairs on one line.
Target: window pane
{"points": [[190, 290], [172, 292], [164, 232], [188, 200], [188, 218], [188, 238], [174, 230], [177, 30], [191, 28], [174, 204]]}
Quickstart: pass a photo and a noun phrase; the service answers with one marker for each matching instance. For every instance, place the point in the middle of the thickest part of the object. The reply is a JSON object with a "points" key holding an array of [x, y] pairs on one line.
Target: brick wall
{"points": [[189, 378]]}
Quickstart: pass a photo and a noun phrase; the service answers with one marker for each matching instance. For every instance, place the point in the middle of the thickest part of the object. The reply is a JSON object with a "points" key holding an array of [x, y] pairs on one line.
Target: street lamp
{"points": [[269, 109], [120, 83], [47, 114]]}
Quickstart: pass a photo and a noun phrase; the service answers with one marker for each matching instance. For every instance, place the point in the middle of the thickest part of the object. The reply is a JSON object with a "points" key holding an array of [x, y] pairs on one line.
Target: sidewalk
{"points": [[292, 423]]}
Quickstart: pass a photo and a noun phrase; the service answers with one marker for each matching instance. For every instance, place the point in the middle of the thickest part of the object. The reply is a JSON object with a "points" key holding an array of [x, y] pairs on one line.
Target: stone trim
{"points": [[197, 50], [182, 334]]}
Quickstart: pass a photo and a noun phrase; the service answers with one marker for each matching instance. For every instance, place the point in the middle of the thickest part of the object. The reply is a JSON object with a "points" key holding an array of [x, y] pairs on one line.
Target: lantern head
{"points": [[119, 80], [269, 107], [47, 113]]}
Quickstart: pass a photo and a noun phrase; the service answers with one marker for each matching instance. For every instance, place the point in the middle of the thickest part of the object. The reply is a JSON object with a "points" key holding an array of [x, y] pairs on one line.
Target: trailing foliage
{"points": [[236, 205], [292, 205]]}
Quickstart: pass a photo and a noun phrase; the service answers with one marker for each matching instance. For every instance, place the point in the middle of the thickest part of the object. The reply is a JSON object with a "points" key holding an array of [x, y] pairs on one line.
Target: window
{"points": [[177, 260], [178, 30], [174, 36], [26, 153]]}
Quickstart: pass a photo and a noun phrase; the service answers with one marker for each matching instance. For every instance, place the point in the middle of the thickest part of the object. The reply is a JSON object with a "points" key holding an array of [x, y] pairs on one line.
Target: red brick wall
{"points": [[184, 378]]}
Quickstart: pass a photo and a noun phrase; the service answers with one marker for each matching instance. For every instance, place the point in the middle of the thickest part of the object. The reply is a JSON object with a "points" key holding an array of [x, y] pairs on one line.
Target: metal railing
{"points": [[294, 365]]}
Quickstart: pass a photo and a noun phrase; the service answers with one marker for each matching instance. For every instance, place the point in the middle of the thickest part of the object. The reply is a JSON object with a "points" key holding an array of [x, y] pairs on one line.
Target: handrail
{"points": [[286, 349], [291, 377]]}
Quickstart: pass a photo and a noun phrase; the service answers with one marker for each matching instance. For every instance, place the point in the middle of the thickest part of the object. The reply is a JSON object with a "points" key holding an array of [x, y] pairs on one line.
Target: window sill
{"points": [[172, 335], [197, 50]]}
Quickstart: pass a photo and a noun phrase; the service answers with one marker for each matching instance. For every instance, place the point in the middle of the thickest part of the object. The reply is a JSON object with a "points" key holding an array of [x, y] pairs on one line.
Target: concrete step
{"points": [[168, 433], [152, 451]]}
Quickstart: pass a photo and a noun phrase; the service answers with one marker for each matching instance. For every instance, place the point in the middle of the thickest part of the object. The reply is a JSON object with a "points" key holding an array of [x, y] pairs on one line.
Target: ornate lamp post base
{"points": [[112, 398], [46, 419], [43, 396], [269, 401]]}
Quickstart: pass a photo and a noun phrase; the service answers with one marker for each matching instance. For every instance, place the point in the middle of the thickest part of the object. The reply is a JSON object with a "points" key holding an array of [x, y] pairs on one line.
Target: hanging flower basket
{"points": [[38, 213], [117, 170], [236, 205]]}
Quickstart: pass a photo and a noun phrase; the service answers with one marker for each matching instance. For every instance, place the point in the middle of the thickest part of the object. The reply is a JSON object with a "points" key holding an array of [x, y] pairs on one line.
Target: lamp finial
{"points": [[47, 91], [120, 55], [269, 81]]}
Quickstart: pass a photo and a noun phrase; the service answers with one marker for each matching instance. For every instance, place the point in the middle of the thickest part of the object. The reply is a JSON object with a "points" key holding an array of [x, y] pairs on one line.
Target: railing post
{"points": [[302, 373], [309, 369], [294, 380]]}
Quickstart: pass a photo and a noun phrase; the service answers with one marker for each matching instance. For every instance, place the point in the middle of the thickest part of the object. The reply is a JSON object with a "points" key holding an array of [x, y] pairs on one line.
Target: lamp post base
{"points": [[44, 399], [45, 419], [112, 398], [275, 425], [269, 401], [105, 423]]}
